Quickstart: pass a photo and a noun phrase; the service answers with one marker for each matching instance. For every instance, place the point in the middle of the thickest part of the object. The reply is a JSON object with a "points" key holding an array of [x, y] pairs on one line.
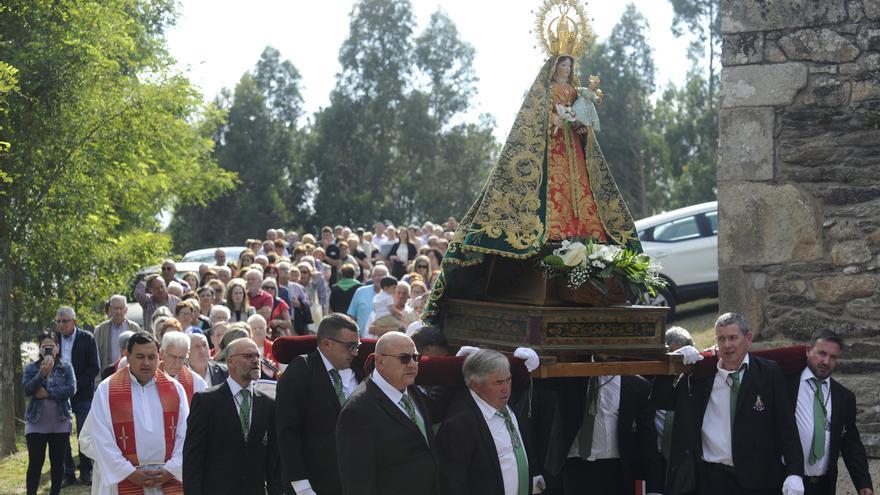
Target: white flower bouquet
{"points": [[596, 264]]}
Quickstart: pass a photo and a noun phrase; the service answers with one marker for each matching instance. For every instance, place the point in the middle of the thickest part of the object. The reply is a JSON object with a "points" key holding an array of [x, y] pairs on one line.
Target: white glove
{"points": [[793, 485], [528, 355], [302, 487], [690, 353], [538, 484], [465, 350]]}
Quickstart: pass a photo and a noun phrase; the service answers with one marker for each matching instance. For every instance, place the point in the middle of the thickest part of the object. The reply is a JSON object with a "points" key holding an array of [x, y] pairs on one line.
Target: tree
{"points": [[388, 137], [686, 124], [257, 136], [102, 140], [702, 18], [626, 67]]}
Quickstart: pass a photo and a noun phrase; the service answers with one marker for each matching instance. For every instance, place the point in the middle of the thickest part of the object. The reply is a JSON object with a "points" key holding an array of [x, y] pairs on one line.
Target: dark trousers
{"points": [[817, 485], [720, 479], [601, 477], [81, 411], [36, 444]]}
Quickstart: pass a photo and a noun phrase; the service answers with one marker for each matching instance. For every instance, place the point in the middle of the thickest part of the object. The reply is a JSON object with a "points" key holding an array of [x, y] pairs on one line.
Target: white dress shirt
{"points": [[716, 431], [804, 418], [394, 395], [503, 444], [235, 388], [605, 427], [349, 381], [67, 346]]}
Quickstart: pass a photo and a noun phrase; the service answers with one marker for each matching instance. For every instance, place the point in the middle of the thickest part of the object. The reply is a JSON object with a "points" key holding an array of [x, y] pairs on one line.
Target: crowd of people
{"points": [[176, 405]]}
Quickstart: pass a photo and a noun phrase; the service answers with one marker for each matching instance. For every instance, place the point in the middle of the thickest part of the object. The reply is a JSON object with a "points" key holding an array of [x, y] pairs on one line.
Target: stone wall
{"points": [[799, 178]]}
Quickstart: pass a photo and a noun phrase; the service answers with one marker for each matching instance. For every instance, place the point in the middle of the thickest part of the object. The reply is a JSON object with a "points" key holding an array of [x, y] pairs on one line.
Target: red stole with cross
{"points": [[123, 424], [185, 378]]}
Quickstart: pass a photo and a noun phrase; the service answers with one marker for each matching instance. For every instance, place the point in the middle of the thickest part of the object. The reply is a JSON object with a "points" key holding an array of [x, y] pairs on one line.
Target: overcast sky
{"points": [[216, 41]]}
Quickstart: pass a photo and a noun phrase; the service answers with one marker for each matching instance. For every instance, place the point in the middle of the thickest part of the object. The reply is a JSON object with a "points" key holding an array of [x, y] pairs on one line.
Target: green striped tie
{"points": [[244, 412], [585, 436], [817, 449], [407, 402], [733, 382], [519, 451], [337, 385], [666, 443]]}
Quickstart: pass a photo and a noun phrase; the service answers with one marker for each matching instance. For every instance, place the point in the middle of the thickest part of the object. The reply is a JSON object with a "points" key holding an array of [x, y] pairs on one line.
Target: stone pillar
{"points": [[799, 178]]}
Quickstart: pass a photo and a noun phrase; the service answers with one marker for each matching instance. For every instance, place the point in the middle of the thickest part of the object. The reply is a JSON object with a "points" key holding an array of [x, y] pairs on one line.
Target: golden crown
{"points": [[566, 33]]}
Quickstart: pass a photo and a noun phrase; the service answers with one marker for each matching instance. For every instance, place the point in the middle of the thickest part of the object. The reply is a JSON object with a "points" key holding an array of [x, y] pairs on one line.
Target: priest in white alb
{"points": [[137, 426]]}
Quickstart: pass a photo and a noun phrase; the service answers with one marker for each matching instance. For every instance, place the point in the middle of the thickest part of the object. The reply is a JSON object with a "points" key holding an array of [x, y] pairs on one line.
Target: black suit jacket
{"points": [[381, 450], [306, 409], [845, 439], [84, 359], [217, 372], [636, 435], [763, 432], [466, 451], [217, 459]]}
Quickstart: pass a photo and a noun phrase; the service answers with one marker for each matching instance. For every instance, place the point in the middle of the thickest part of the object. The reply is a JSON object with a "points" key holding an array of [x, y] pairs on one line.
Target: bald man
{"points": [[384, 435], [232, 450]]}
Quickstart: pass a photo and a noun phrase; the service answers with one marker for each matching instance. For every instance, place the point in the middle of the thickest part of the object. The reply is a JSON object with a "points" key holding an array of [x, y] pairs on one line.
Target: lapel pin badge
{"points": [[265, 438], [759, 405]]}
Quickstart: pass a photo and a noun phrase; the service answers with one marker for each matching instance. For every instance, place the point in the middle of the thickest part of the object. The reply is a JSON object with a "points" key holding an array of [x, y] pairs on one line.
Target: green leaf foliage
{"points": [[256, 136], [393, 144], [105, 136]]}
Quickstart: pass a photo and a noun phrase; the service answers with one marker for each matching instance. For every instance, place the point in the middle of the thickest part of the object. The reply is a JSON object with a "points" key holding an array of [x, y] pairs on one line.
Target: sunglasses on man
{"points": [[405, 358]]}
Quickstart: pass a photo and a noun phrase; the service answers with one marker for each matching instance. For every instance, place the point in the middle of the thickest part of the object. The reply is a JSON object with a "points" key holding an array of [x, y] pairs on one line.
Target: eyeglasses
{"points": [[65, 320], [269, 287], [421, 267], [252, 356], [352, 346], [404, 358]]}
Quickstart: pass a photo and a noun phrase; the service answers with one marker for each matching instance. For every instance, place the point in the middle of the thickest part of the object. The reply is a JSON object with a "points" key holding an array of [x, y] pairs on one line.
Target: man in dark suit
{"points": [[384, 436], [230, 445], [310, 395], [825, 412], [676, 338], [79, 349], [733, 427], [606, 438], [480, 445]]}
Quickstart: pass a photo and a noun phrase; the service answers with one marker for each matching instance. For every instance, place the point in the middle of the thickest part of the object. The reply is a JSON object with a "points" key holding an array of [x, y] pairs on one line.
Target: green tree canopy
{"points": [[259, 138], [389, 145], [104, 136]]}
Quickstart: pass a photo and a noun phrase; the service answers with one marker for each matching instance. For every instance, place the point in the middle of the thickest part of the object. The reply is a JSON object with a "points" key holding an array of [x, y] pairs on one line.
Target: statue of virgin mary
{"points": [[550, 183]]}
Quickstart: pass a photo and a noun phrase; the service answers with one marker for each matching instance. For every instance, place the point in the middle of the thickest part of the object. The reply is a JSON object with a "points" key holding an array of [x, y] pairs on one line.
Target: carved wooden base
{"points": [[558, 333]]}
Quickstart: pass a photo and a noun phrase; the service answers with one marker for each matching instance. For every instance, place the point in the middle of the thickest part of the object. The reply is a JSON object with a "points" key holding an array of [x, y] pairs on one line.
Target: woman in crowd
{"points": [[188, 316], [245, 259], [312, 285], [279, 319], [268, 364], [191, 279], [206, 300], [219, 292], [402, 252], [422, 268], [50, 383], [237, 301]]}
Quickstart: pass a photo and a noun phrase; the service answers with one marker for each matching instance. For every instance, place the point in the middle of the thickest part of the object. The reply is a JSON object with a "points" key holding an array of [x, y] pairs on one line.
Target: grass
{"points": [[13, 471]]}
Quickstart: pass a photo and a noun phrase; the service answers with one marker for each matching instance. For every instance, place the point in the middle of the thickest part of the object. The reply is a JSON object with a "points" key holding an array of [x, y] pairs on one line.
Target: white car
{"points": [[685, 243], [207, 255]]}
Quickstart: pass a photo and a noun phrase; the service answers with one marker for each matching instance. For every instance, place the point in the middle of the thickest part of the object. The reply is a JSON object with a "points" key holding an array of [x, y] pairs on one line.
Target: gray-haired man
{"points": [[107, 333], [480, 445]]}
